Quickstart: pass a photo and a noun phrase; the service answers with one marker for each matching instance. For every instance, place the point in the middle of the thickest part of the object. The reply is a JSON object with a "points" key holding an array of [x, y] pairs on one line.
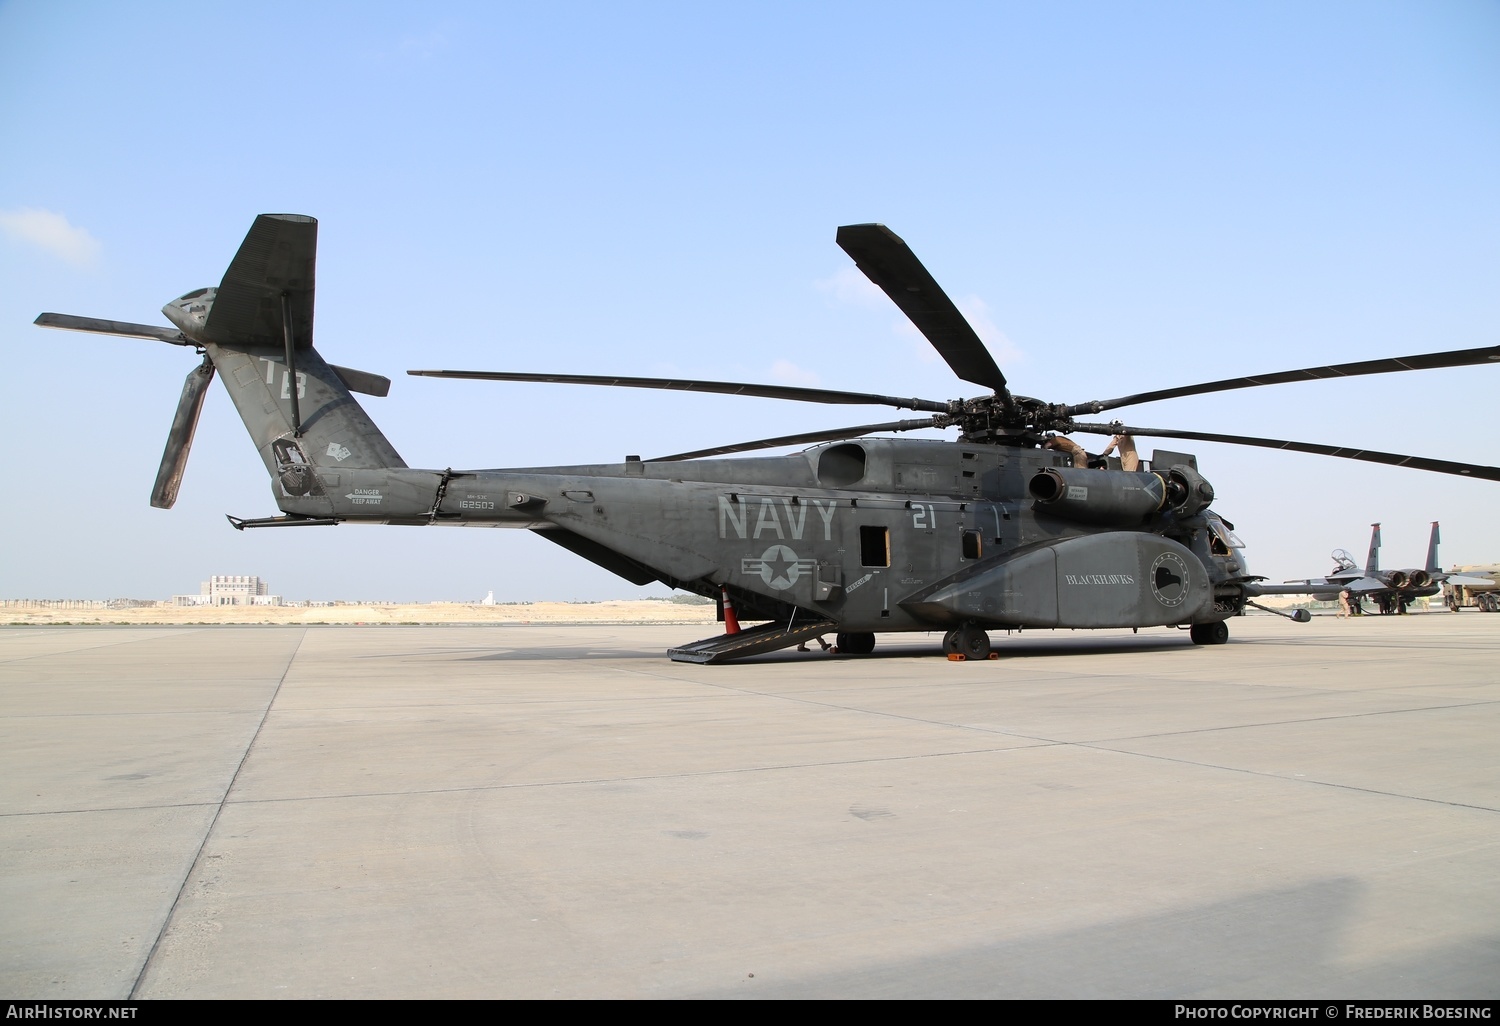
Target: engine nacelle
{"points": [[1119, 498], [1420, 579], [1397, 579], [1115, 497], [1188, 492]]}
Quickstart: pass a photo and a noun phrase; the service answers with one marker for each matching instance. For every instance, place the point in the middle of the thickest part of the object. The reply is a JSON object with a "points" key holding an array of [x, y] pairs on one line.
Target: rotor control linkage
{"points": [[291, 361]]}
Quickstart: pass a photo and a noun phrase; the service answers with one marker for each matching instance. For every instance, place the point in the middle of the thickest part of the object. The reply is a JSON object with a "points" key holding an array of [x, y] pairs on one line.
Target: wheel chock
{"points": [[956, 657]]}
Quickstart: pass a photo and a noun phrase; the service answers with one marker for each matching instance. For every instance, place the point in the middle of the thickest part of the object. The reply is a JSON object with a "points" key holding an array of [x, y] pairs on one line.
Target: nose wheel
{"points": [[968, 641]]}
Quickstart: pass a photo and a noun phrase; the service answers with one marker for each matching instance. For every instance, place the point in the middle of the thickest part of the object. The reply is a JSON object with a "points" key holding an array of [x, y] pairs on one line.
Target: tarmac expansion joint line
{"points": [[635, 778], [208, 832], [154, 635], [1367, 714], [1099, 747]]}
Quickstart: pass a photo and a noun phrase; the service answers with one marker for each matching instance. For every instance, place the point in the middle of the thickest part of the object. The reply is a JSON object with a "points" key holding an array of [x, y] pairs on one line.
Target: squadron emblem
{"points": [[778, 567], [1169, 579]]}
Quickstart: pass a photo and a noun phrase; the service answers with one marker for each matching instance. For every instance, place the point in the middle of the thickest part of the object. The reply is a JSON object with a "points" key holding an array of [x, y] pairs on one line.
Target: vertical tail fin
{"points": [[256, 330], [1372, 561], [1432, 551]]}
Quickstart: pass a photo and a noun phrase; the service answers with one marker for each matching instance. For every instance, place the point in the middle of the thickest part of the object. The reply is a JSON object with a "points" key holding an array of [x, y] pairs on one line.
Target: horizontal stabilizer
{"points": [[102, 327], [363, 381]]}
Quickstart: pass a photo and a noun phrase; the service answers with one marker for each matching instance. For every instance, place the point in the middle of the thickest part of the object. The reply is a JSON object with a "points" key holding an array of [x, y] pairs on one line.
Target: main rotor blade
{"points": [[98, 325], [1365, 455], [890, 263], [180, 438], [795, 392], [807, 438], [1422, 361]]}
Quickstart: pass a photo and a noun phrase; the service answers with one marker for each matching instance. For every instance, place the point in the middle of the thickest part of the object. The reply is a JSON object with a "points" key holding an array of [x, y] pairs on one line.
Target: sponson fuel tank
{"points": [[1115, 579]]}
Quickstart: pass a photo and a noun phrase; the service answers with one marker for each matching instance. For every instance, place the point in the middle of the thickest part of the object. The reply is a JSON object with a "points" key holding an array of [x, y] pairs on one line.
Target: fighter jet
{"points": [[1392, 591]]}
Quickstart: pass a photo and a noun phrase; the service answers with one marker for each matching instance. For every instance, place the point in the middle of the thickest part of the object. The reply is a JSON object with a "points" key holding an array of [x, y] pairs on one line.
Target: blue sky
{"points": [[1121, 196]]}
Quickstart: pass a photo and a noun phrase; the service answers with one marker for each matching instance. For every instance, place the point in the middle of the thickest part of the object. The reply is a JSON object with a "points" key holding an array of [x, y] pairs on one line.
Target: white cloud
{"points": [[977, 312], [849, 285], [788, 373], [414, 47], [425, 46], [53, 233]]}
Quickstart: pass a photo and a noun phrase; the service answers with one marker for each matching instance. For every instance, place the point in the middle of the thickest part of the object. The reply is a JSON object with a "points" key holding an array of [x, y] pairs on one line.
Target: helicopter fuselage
{"points": [[876, 535]]}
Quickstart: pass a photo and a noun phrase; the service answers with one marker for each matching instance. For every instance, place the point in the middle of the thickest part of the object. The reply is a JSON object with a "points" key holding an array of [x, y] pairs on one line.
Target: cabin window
{"points": [[874, 546], [973, 545]]}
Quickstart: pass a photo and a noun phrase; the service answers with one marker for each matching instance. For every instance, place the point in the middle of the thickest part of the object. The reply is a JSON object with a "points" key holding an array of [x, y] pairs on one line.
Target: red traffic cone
{"points": [[731, 622]]}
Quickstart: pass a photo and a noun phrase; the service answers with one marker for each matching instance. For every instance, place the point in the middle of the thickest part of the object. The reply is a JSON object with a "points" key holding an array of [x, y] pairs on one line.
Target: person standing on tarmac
{"points": [[1344, 604]]}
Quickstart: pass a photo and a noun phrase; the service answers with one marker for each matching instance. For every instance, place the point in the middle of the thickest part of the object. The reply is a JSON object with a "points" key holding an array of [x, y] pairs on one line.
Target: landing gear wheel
{"points": [[972, 642], [950, 643], [1216, 633], [856, 643]]}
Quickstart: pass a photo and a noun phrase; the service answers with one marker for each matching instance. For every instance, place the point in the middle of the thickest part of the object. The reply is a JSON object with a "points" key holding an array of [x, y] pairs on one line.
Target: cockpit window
{"points": [[1223, 536]]}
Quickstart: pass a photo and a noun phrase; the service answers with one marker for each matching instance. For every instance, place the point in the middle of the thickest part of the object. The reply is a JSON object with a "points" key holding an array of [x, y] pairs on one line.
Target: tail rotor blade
{"points": [[180, 439], [98, 325]]}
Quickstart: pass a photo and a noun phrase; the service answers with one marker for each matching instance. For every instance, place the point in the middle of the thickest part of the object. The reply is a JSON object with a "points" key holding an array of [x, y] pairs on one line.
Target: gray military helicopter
{"points": [[856, 535]]}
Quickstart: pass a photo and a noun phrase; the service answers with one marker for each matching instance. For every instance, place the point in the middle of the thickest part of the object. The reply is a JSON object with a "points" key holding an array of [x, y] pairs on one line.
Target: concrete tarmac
{"points": [[520, 812]]}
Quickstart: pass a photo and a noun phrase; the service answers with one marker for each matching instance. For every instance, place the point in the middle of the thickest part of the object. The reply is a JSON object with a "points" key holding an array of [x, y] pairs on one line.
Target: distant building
{"points": [[230, 590]]}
